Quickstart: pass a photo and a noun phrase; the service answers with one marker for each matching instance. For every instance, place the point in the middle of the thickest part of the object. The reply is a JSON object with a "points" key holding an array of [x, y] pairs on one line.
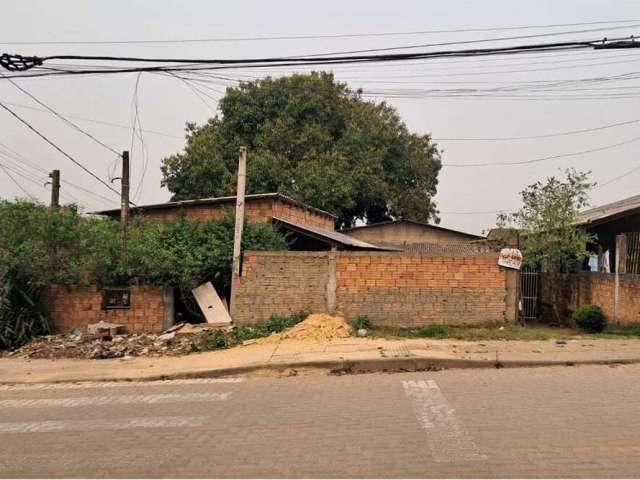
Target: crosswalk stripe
{"points": [[113, 400], [447, 439], [100, 424], [110, 384]]}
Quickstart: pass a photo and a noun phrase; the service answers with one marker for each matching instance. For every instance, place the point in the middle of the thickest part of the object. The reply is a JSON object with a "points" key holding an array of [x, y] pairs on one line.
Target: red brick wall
{"points": [[413, 290], [394, 289], [256, 211], [75, 306], [567, 292]]}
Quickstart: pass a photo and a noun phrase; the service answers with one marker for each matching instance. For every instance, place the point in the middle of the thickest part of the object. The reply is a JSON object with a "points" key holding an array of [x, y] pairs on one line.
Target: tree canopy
{"points": [[314, 139], [550, 236]]}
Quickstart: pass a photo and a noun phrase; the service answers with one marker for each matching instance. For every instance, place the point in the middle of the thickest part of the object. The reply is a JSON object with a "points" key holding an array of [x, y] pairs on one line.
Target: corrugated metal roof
{"points": [[602, 213], [447, 249], [215, 200], [396, 222], [332, 236]]}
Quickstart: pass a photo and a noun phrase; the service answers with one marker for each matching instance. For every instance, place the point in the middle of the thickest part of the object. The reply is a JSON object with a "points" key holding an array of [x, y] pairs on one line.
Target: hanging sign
{"points": [[510, 258]]}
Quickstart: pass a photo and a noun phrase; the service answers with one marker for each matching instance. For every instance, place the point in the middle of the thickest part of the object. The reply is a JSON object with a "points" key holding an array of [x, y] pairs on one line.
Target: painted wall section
{"points": [[393, 289]]}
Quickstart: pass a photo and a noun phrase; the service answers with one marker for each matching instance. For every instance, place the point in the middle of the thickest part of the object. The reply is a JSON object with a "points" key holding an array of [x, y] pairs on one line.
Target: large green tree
{"points": [[314, 139]]}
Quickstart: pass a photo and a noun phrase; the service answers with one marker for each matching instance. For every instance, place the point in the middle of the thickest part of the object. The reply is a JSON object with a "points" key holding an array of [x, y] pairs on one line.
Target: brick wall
{"points": [[280, 283], [414, 290], [394, 289], [75, 306], [256, 211], [567, 292]]}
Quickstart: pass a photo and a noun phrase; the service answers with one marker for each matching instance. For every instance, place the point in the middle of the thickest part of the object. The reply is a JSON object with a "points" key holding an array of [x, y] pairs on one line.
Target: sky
{"points": [[468, 197]]}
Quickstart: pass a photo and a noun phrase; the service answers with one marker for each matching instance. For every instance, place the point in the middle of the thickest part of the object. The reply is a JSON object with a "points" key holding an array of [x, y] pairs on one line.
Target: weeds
{"points": [[275, 324], [362, 321]]}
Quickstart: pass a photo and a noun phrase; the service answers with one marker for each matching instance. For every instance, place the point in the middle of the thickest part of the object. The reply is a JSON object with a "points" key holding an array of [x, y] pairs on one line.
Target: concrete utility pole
{"points": [[237, 237], [124, 190], [55, 189]]}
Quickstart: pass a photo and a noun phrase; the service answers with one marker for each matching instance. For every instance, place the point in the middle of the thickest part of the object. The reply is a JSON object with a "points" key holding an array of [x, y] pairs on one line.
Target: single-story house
{"points": [[607, 221], [410, 235], [308, 228]]}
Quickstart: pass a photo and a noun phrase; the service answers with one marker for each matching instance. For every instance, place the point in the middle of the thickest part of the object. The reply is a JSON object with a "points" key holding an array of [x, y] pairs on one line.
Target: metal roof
{"points": [[470, 248], [610, 211], [216, 200], [395, 222], [332, 236]]}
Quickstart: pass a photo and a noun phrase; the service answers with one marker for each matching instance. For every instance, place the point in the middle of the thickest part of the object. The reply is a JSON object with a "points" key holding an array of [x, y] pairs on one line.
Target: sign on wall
{"points": [[510, 258]]}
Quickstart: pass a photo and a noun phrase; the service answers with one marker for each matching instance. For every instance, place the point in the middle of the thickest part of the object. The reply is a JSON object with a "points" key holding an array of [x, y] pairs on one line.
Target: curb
{"points": [[345, 367]]}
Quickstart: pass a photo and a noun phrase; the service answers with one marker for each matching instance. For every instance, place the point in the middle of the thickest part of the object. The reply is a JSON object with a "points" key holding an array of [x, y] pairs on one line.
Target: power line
{"points": [[314, 36], [542, 159], [21, 63], [531, 137], [33, 129], [16, 182], [65, 120], [93, 120]]}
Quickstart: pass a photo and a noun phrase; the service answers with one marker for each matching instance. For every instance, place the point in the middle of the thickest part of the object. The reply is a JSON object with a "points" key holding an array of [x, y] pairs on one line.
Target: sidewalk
{"points": [[348, 355]]}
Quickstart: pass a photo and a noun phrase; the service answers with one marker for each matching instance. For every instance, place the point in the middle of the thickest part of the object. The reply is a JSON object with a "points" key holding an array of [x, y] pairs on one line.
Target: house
{"points": [[608, 221], [411, 235], [307, 228]]}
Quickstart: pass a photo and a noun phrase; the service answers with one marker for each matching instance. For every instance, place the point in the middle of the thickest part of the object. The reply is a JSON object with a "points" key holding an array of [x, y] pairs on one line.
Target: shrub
{"points": [[275, 324], [362, 321], [590, 318], [434, 330], [210, 341]]}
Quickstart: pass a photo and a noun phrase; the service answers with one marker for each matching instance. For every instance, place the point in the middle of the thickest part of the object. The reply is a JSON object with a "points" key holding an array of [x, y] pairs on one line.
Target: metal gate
{"points": [[529, 281]]}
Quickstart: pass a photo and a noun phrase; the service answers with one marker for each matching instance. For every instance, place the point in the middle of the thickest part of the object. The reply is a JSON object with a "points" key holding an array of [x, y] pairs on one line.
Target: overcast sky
{"points": [[466, 196]]}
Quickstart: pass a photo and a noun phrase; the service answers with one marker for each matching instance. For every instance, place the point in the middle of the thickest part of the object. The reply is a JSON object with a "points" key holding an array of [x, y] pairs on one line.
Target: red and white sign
{"points": [[510, 258]]}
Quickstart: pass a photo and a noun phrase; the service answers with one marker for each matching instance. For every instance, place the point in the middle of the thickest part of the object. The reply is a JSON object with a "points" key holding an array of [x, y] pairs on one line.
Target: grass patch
{"points": [[504, 332], [616, 331], [275, 324]]}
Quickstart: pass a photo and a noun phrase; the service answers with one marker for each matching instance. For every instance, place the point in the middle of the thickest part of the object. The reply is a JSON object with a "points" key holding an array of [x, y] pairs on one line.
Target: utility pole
{"points": [[237, 237], [55, 189], [124, 190]]}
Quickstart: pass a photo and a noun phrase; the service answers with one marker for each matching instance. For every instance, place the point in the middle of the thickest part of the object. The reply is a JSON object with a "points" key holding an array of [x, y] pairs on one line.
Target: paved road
{"points": [[562, 421]]}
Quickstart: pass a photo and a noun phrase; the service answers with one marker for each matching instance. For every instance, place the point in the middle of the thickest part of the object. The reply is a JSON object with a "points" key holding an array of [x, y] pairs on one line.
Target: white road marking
{"points": [[109, 384], [113, 400], [100, 424], [447, 439]]}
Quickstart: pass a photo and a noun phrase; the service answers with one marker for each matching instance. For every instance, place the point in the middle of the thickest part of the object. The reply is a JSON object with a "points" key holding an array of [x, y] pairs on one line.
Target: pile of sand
{"points": [[317, 327]]}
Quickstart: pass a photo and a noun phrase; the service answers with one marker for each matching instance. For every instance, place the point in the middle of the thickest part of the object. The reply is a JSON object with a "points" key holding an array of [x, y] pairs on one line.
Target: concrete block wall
{"points": [[567, 292], [280, 283], [76, 306], [393, 289]]}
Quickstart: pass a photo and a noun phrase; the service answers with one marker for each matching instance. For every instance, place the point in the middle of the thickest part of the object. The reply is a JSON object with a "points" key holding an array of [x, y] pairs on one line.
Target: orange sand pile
{"points": [[317, 327]]}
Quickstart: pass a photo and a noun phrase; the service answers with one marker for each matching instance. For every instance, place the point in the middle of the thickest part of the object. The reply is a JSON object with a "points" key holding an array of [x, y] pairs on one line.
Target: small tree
{"points": [[550, 237]]}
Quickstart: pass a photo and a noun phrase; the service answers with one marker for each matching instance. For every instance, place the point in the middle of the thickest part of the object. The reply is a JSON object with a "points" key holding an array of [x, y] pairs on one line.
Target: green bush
{"points": [[590, 318], [362, 321], [211, 341], [275, 324], [434, 330]]}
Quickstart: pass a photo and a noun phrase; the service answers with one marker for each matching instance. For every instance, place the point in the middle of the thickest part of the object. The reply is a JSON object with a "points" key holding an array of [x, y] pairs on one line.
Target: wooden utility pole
{"points": [[55, 189], [237, 237], [124, 190]]}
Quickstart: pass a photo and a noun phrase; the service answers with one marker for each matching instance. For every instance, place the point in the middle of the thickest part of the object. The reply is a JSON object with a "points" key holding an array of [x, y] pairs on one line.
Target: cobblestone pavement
{"points": [[542, 422]]}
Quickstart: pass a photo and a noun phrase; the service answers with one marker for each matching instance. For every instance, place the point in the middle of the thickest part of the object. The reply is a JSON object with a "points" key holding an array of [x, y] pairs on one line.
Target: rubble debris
{"points": [[104, 347], [104, 328]]}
